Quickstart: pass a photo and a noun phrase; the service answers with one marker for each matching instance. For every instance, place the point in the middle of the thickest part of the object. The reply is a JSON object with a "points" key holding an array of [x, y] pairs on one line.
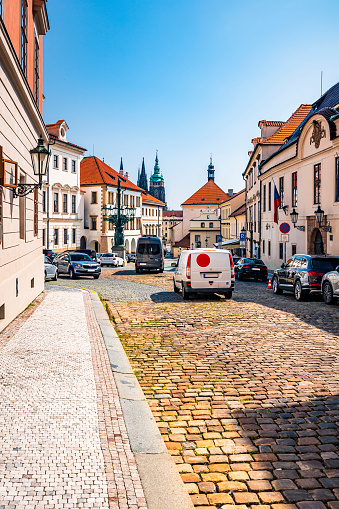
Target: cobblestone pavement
{"points": [[111, 287], [245, 393], [63, 440]]}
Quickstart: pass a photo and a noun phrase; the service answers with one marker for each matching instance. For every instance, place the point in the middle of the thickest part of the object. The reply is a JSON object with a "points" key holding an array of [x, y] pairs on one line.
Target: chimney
{"points": [[230, 193]]}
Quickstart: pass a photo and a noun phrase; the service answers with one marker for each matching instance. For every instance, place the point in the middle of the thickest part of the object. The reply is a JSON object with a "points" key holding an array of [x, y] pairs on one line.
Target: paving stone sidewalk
{"points": [[63, 439]]}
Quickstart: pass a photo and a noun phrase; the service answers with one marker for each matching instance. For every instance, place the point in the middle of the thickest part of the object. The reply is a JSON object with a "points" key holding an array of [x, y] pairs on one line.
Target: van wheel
{"points": [[137, 270], [55, 276], [185, 294], [175, 288], [228, 295]]}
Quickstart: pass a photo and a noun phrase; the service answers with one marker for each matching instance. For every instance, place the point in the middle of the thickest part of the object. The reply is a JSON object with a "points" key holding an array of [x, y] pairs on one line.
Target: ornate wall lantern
{"points": [[319, 215], [9, 170], [294, 218]]}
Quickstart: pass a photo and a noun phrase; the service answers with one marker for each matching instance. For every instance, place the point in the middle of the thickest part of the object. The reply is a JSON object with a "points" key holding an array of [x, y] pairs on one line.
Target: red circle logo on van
{"points": [[203, 260]]}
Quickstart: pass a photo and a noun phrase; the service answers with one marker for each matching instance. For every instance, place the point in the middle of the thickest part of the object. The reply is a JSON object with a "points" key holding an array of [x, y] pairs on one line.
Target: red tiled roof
{"points": [[209, 193], [239, 211], [93, 171], [59, 122], [271, 123], [255, 141], [184, 242], [288, 128], [149, 197], [172, 213], [235, 194]]}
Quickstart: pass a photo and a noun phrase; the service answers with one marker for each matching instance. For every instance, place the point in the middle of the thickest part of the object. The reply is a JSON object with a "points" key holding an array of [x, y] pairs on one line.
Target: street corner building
{"points": [[23, 23]]}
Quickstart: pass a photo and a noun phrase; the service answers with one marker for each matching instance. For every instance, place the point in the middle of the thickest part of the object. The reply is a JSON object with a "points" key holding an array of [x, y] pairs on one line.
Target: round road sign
{"points": [[284, 228]]}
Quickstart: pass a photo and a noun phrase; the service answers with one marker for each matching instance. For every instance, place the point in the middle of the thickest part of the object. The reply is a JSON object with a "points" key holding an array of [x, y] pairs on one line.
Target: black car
{"points": [[49, 253], [246, 268], [77, 264], [302, 274]]}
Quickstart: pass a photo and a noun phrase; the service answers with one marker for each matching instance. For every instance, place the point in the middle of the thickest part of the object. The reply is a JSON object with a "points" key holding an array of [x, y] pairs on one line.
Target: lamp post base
{"points": [[121, 251]]}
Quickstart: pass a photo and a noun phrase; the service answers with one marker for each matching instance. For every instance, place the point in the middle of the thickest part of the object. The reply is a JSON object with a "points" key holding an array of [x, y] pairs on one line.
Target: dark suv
{"points": [[302, 274]]}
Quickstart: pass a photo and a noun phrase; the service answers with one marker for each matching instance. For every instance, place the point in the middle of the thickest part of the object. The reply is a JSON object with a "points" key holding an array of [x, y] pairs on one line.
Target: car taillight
{"points": [[315, 274], [232, 266], [246, 267], [188, 267]]}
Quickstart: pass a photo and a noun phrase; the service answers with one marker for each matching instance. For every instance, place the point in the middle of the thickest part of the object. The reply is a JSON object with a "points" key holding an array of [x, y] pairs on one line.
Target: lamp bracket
{"points": [[300, 228], [25, 189]]}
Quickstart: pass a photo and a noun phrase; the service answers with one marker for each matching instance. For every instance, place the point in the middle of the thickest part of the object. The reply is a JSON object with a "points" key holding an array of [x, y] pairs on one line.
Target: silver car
{"points": [[330, 286], [51, 271], [107, 259]]}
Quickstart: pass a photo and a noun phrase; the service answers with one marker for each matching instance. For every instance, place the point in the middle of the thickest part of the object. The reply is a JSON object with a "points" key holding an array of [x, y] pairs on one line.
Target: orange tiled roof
{"points": [[149, 197], [59, 122], [255, 141], [93, 171], [172, 213], [288, 128], [209, 193], [271, 123]]}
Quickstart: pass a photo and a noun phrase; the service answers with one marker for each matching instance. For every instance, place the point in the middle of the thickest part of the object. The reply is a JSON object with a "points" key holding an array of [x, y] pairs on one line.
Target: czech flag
{"points": [[277, 203]]}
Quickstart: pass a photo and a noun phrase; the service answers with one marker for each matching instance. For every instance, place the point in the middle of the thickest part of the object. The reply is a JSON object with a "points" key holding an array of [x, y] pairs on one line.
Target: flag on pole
{"points": [[277, 203]]}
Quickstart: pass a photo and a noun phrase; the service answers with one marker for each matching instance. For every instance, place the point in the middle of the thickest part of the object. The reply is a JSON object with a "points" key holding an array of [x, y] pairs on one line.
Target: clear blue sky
{"points": [[186, 77]]}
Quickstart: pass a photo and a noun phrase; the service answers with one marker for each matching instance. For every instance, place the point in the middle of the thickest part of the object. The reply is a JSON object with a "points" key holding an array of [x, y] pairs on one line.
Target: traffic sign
{"points": [[284, 227], [242, 240], [284, 237]]}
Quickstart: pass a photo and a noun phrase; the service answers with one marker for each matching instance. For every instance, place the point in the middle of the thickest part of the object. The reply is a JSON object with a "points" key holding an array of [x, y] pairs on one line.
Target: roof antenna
{"points": [[321, 83]]}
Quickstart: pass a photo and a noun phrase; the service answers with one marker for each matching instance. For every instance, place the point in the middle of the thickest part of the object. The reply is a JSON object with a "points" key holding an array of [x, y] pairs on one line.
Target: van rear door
{"points": [[211, 269]]}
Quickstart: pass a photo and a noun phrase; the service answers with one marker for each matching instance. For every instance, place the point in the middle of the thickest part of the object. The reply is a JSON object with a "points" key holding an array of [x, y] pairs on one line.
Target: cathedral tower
{"points": [[157, 182], [142, 179]]}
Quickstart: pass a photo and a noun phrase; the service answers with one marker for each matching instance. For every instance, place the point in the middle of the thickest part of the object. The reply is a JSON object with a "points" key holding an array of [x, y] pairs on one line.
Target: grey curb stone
{"points": [[160, 479]]}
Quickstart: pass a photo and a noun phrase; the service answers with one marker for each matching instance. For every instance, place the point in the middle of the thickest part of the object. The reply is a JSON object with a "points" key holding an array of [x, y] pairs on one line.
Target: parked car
{"points": [[204, 271], [150, 254], [118, 261], [108, 259], [51, 271], [77, 264], [247, 268], [89, 252], [131, 258], [235, 259], [302, 274], [330, 286], [49, 253]]}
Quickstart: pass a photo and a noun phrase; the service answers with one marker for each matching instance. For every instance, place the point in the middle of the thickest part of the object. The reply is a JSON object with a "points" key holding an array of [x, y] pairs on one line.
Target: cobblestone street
{"points": [[245, 392]]}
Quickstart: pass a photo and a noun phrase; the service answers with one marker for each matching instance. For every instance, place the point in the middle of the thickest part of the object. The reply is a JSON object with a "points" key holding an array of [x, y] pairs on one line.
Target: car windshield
{"points": [[149, 247], [80, 257], [248, 261], [107, 255], [324, 265]]}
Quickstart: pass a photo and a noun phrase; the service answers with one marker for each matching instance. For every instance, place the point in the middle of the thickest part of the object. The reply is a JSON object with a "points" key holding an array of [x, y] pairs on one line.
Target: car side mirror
{"points": [[282, 266]]}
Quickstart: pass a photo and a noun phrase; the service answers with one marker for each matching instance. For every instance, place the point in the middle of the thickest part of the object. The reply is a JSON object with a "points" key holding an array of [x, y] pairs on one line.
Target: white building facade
{"points": [[62, 200], [21, 123]]}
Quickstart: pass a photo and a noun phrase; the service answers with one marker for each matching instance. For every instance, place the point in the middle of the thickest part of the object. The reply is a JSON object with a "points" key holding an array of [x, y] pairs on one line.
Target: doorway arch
{"points": [[317, 242], [83, 242], [133, 246], [127, 245]]}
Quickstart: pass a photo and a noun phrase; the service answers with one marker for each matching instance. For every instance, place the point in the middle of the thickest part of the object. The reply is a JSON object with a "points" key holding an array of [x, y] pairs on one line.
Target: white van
{"points": [[204, 271]]}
